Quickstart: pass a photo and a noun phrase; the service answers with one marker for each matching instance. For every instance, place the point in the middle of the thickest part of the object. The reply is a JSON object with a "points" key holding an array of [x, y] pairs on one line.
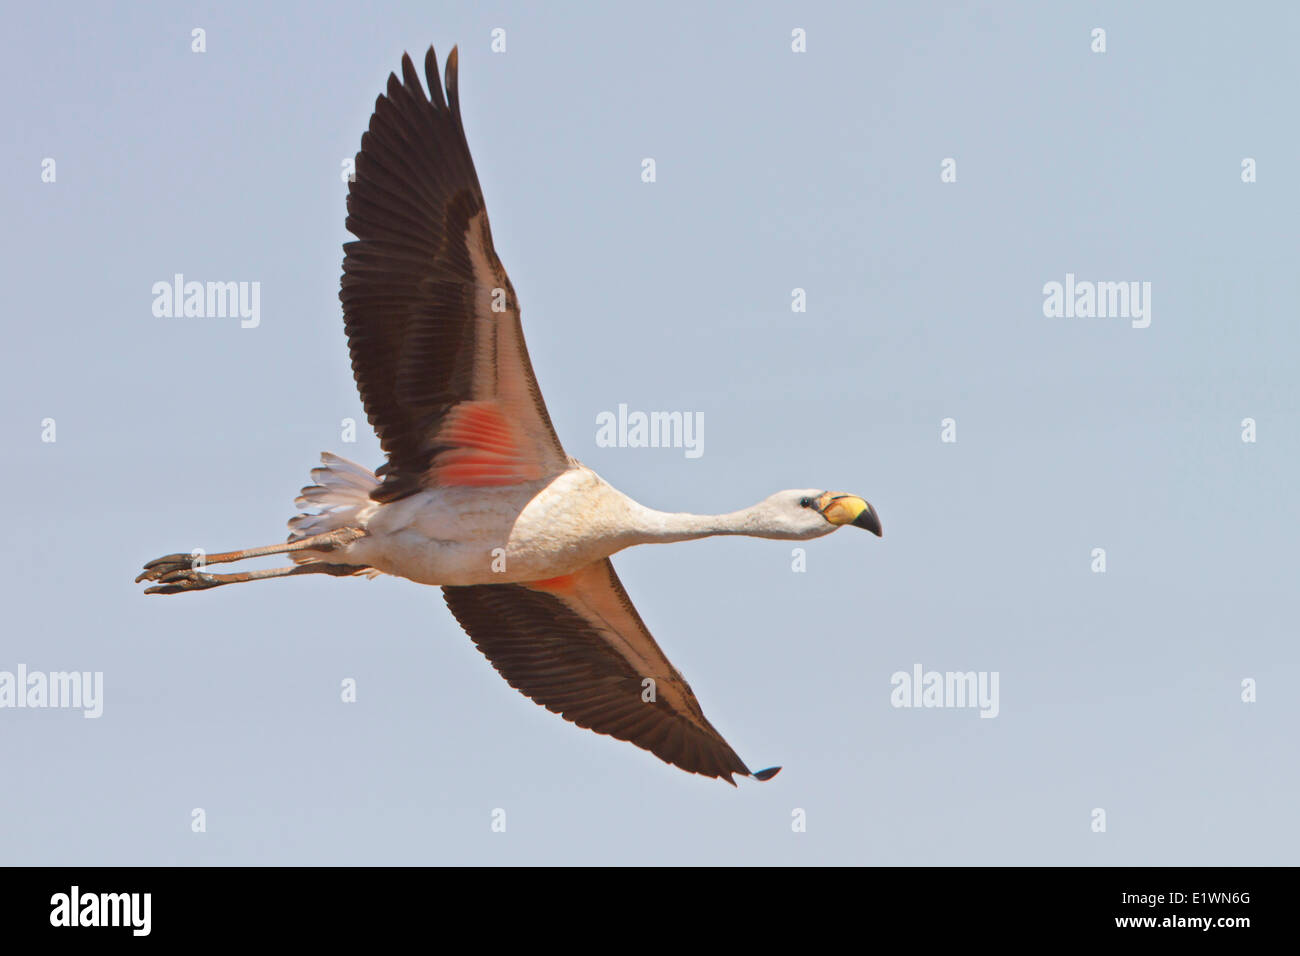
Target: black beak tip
{"points": [[870, 521]]}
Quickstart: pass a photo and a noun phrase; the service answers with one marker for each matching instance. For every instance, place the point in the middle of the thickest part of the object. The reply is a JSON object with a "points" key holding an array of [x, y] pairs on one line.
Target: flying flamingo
{"points": [[477, 495]]}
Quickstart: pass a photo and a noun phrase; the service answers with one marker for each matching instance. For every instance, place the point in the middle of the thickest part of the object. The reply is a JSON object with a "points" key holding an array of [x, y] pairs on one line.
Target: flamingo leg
{"points": [[191, 579], [158, 568]]}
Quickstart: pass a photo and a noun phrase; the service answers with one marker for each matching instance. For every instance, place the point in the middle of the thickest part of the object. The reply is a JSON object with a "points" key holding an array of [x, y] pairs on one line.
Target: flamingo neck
{"points": [[662, 526]]}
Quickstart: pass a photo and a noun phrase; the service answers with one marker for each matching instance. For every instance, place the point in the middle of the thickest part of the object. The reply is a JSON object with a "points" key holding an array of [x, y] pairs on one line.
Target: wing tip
{"points": [[442, 88], [434, 78], [451, 70], [767, 774]]}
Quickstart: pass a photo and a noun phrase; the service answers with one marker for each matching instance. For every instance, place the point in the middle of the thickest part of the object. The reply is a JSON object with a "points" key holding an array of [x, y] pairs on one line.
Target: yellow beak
{"points": [[839, 508]]}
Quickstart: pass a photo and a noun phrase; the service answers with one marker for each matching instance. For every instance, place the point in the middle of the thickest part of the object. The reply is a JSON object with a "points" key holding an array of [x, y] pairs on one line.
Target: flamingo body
{"points": [[477, 495]]}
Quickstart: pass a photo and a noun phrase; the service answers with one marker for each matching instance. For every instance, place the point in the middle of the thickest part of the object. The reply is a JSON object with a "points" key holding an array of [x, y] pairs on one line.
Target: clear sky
{"points": [[775, 170]]}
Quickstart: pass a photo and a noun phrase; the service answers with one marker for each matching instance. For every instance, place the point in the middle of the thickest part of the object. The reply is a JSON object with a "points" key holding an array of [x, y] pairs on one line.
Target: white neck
{"points": [[654, 527]]}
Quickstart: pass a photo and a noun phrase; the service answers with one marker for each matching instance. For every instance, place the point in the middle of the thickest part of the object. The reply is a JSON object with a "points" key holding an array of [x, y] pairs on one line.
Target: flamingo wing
{"points": [[577, 646], [432, 321]]}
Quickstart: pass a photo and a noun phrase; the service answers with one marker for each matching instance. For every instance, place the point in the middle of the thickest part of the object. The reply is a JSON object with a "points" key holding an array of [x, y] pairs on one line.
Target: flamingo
{"points": [[477, 495]]}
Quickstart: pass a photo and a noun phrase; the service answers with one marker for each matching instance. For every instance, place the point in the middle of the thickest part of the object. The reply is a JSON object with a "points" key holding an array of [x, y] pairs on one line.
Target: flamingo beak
{"points": [[838, 509]]}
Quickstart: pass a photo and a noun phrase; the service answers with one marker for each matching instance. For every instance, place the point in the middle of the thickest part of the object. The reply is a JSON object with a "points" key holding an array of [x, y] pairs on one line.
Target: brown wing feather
{"points": [[577, 646], [422, 292]]}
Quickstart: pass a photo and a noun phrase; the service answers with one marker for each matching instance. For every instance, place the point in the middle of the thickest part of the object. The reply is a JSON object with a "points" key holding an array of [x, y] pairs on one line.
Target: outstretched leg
{"points": [[159, 568], [189, 579]]}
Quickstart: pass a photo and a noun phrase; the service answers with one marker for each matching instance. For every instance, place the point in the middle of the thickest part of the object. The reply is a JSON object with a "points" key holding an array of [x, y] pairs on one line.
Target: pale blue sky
{"points": [[775, 170]]}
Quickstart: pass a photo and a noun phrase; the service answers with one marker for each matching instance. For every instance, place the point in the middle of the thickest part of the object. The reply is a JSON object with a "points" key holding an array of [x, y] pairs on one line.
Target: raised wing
{"points": [[577, 646], [432, 321]]}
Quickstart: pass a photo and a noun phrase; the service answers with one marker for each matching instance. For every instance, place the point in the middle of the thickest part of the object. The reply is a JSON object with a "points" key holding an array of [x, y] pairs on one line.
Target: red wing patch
{"points": [[564, 583], [487, 449]]}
